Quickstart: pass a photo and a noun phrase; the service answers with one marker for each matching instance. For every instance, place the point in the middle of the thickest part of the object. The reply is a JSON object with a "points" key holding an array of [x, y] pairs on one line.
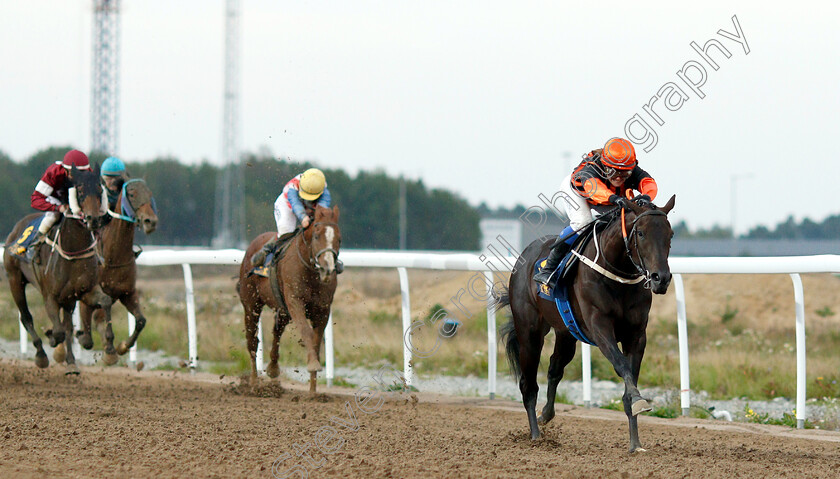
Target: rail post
{"points": [[328, 345], [491, 336], [682, 332], [192, 335], [408, 370], [801, 377]]}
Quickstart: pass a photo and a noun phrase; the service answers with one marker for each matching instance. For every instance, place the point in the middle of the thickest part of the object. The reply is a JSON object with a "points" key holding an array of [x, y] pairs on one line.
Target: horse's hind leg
{"points": [[132, 304], [253, 309], [530, 346], [564, 351], [17, 286], [281, 319]]}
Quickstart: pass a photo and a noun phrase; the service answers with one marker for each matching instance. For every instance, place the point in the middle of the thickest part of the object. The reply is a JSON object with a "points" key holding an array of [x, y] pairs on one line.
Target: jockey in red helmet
{"points": [[602, 179], [51, 193]]}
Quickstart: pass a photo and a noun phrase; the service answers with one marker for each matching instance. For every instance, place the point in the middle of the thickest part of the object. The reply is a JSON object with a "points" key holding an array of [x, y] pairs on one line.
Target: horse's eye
{"points": [[641, 234]]}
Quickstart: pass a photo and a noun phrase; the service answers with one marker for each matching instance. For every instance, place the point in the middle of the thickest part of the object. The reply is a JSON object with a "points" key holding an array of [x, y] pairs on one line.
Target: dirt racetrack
{"points": [[121, 423]]}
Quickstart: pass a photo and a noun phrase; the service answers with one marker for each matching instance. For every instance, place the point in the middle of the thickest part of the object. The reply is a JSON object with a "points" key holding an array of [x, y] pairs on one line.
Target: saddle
{"points": [[566, 275], [276, 254], [27, 236]]}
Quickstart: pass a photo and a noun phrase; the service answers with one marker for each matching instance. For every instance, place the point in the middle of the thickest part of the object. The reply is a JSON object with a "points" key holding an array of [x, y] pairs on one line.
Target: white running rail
{"points": [[792, 265]]}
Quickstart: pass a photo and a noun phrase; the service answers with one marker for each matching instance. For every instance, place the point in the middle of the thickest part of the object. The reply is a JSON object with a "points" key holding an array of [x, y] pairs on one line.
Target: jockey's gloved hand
{"points": [[642, 200], [620, 201]]}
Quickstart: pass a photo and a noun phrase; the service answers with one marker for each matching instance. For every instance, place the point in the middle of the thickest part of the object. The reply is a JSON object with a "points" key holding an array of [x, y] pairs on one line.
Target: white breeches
{"points": [[50, 217], [283, 216], [577, 209]]}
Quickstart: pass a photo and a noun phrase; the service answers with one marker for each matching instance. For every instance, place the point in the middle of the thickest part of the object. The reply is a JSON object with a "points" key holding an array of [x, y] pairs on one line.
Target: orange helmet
{"points": [[619, 154]]}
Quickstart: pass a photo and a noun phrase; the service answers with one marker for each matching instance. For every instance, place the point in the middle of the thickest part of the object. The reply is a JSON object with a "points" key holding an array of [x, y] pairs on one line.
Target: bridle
{"points": [[640, 265], [312, 263], [128, 210], [642, 273]]}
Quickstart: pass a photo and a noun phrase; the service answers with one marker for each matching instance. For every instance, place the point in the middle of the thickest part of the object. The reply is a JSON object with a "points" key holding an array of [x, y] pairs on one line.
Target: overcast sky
{"points": [[492, 99]]}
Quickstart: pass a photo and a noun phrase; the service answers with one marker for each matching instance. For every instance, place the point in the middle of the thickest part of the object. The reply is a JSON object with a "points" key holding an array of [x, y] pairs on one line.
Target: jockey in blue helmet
{"points": [[113, 177]]}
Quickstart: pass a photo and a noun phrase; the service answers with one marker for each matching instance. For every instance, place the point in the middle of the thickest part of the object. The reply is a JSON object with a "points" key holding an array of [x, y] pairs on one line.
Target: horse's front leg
{"points": [[97, 305], [634, 403], [281, 319], [67, 345], [85, 337], [634, 350], [297, 311], [132, 304]]}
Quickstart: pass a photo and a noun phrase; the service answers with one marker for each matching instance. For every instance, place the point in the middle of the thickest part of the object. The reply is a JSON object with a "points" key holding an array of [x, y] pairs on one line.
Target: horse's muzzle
{"points": [[659, 281]]}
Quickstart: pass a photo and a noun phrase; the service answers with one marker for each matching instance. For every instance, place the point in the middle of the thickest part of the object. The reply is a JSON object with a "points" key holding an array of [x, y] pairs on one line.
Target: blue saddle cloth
{"points": [[560, 296], [18, 248]]}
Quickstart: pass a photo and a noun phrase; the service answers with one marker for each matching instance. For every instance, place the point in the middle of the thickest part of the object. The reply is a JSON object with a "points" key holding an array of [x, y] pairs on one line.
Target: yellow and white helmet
{"points": [[312, 183]]}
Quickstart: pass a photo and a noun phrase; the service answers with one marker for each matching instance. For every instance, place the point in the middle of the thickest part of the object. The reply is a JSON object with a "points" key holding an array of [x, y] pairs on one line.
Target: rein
{"points": [[71, 255]]}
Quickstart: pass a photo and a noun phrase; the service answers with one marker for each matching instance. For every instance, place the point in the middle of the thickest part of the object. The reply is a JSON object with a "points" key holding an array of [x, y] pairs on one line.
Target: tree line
{"points": [[437, 219], [789, 229]]}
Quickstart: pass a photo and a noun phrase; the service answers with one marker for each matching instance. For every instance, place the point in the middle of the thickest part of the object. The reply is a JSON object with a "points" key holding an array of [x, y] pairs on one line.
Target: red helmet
{"points": [[619, 154], [76, 158]]}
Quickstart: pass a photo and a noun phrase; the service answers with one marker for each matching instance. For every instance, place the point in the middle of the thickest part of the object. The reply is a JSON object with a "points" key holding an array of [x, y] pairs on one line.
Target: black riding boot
{"points": [[558, 251], [259, 257], [34, 247]]}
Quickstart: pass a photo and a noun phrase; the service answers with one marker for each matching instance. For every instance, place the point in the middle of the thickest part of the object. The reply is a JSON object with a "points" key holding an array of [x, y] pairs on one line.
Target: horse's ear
{"points": [[335, 212], [669, 205]]}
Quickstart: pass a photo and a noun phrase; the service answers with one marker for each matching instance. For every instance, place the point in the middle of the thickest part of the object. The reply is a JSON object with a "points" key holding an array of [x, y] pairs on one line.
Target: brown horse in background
{"points": [[68, 273], [303, 292], [118, 270], [608, 311]]}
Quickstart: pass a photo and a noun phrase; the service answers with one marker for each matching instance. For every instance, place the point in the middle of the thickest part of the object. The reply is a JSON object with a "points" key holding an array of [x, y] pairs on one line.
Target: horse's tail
{"points": [[501, 298], [508, 333]]}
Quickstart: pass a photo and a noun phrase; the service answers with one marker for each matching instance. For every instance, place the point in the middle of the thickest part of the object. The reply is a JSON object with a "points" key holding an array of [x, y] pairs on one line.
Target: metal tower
{"points": [[229, 223], [104, 119]]}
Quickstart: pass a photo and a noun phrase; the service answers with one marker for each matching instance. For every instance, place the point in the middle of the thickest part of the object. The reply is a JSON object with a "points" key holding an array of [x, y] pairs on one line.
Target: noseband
{"points": [[313, 263]]}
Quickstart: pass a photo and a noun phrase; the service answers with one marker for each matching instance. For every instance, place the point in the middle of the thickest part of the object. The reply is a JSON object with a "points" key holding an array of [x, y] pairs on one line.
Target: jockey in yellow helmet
{"points": [[305, 191]]}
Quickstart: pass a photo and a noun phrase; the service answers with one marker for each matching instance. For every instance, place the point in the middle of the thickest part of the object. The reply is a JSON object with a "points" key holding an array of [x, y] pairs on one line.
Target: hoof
{"points": [[314, 366], [71, 370], [638, 449], [272, 370], [122, 348], [110, 359], [640, 406], [544, 419], [42, 361], [60, 353], [86, 341]]}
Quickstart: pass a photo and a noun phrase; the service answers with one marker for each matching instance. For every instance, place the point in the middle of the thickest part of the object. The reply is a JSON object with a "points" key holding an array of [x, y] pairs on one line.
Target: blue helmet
{"points": [[113, 166]]}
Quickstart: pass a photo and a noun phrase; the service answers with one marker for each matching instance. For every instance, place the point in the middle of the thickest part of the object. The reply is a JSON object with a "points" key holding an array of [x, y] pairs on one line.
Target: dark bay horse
{"points": [[633, 246], [303, 291], [65, 272], [118, 270]]}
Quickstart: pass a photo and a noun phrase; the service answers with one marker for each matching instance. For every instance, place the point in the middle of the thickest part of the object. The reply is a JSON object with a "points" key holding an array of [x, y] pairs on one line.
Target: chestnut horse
{"points": [[65, 272], [304, 284], [118, 270], [609, 310]]}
